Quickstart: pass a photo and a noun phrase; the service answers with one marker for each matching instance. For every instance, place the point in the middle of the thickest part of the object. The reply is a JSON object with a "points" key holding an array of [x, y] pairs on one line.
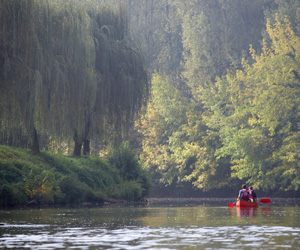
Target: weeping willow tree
{"points": [[68, 71], [76, 52], [122, 77], [47, 75], [24, 69]]}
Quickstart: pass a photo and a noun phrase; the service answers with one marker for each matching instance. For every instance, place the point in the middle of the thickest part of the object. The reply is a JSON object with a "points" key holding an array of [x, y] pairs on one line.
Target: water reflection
{"points": [[246, 212], [189, 228], [266, 211]]}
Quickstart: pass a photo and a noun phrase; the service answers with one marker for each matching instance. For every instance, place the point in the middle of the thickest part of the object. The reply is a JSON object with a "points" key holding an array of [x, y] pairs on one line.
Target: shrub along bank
{"points": [[56, 179]]}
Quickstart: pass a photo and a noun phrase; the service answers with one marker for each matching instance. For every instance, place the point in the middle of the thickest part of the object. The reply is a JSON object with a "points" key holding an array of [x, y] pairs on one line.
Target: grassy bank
{"points": [[56, 179]]}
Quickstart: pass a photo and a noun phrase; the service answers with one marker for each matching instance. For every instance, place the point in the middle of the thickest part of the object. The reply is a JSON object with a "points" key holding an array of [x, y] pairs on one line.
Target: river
{"points": [[162, 224]]}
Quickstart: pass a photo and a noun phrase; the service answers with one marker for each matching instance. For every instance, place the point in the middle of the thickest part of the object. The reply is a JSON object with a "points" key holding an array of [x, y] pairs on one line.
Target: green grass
{"points": [[58, 179]]}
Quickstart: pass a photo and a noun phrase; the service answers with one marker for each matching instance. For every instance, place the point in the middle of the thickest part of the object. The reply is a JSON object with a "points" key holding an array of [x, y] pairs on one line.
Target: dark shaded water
{"points": [[162, 224]]}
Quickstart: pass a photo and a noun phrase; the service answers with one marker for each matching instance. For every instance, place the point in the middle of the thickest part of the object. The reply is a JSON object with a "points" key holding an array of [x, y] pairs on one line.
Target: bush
{"points": [[6, 195], [57, 179], [11, 171], [12, 195], [145, 182], [41, 184], [128, 190], [73, 191], [128, 165], [125, 161]]}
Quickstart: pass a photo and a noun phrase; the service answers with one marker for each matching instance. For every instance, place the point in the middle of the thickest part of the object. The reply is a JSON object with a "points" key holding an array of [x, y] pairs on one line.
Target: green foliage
{"points": [[213, 117], [125, 161], [130, 169], [41, 185], [129, 190], [74, 191], [12, 195], [285, 9], [239, 117], [162, 128], [57, 179], [261, 132]]}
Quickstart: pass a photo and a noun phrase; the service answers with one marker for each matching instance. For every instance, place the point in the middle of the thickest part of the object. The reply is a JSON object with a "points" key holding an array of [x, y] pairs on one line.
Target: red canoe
{"points": [[241, 203]]}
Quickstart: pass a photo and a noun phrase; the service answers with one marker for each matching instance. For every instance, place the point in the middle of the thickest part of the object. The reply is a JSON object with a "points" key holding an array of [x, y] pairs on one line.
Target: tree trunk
{"points": [[35, 148], [77, 146], [86, 147], [86, 142]]}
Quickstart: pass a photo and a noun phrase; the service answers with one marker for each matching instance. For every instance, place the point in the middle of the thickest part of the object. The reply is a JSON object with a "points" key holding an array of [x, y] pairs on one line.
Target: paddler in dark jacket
{"points": [[243, 193], [252, 194]]}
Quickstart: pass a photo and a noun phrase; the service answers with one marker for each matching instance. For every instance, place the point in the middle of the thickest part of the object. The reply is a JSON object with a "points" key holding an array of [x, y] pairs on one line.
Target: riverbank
{"points": [[50, 179]]}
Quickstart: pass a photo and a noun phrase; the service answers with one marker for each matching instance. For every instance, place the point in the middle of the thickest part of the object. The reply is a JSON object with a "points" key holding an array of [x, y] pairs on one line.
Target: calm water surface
{"points": [[189, 224]]}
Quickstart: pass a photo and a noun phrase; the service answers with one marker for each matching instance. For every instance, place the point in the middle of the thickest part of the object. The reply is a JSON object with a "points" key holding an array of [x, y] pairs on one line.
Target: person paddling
{"points": [[252, 194], [243, 193]]}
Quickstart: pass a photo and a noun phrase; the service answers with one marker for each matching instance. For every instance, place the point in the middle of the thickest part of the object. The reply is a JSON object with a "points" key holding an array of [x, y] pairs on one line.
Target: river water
{"points": [[161, 224]]}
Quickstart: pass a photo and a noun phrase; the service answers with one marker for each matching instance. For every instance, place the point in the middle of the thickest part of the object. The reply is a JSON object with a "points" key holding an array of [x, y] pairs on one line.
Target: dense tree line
{"points": [[68, 71], [224, 106]]}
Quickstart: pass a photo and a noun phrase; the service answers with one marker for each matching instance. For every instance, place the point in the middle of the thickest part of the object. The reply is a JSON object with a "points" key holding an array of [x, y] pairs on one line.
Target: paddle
{"points": [[231, 204], [265, 200]]}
